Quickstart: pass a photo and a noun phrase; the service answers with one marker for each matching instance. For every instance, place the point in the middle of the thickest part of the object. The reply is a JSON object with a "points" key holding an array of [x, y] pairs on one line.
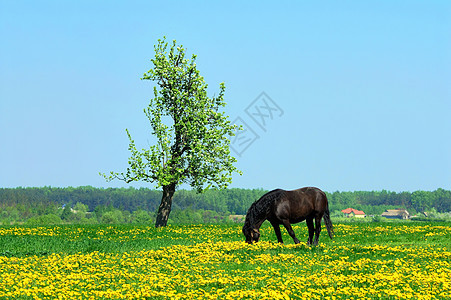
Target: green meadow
{"points": [[397, 260]]}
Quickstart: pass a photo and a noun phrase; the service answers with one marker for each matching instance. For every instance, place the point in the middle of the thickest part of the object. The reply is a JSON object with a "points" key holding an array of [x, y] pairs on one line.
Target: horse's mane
{"points": [[260, 208]]}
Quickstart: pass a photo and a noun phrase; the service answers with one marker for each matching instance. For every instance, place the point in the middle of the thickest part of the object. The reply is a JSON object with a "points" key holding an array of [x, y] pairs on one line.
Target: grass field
{"points": [[404, 260]]}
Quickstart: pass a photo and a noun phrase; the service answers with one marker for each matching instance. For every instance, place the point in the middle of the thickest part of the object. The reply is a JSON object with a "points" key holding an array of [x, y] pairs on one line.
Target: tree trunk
{"points": [[165, 205]]}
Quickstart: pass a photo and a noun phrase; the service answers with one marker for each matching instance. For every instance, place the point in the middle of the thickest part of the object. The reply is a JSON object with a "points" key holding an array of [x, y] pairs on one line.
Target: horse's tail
{"points": [[328, 222]]}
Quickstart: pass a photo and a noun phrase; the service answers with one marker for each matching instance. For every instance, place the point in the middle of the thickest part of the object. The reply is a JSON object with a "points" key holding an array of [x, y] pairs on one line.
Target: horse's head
{"points": [[251, 234]]}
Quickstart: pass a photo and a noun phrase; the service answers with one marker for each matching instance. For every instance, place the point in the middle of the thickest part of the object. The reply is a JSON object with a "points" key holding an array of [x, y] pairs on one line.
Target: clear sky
{"points": [[359, 91]]}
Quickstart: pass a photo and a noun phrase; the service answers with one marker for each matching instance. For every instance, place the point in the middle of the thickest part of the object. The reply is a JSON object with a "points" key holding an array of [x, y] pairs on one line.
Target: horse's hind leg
{"points": [[317, 229], [311, 230], [290, 230]]}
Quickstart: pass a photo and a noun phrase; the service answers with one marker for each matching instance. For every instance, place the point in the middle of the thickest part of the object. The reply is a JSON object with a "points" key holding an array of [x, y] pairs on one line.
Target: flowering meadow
{"points": [[404, 260]]}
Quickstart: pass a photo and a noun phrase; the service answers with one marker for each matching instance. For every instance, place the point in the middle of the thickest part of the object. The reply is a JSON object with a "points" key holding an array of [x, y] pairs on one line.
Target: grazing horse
{"points": [[286, 208]]}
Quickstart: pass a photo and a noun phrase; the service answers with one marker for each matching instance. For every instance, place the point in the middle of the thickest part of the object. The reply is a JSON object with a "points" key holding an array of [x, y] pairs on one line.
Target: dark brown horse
{"points": [[286, 208]]}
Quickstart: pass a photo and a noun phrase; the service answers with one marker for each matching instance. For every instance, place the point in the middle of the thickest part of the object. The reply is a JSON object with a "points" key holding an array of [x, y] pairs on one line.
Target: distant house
{"points": [[396, 214], [351, 212]]}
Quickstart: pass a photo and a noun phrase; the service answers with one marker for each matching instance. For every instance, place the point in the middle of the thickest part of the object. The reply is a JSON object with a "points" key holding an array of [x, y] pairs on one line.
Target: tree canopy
{"points": [[191, 129]]}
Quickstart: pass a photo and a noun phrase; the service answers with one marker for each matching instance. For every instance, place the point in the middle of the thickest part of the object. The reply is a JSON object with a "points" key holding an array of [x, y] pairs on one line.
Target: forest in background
{"points": [[89, 205]]}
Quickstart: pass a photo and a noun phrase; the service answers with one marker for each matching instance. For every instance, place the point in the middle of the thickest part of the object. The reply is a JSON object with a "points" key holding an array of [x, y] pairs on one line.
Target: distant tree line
{"points": [[118, 205], [376, 202]]}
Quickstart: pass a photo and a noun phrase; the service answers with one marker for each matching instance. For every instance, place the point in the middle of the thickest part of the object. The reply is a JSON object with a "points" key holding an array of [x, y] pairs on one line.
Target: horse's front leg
{"points": [[277, 230], [311, 230], [290, 230]]}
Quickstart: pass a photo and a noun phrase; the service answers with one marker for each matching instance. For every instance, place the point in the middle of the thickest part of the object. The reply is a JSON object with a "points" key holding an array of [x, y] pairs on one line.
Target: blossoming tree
{"points": [[191, 131]]}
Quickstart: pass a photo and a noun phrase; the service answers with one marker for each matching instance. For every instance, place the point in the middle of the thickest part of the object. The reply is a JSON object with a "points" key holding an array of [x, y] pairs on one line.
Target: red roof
{"points": [[352, 210]]}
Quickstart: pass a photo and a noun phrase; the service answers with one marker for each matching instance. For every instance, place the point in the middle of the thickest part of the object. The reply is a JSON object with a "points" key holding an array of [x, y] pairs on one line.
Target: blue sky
{"points": [[360, 90]]}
